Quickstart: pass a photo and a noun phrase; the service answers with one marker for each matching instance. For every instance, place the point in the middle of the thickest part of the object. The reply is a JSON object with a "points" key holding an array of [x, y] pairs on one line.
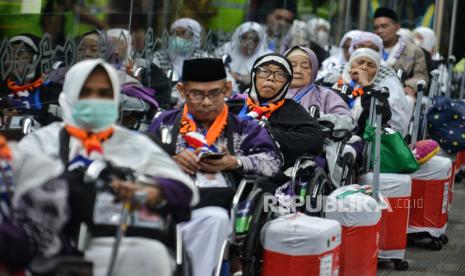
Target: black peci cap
{"points": [[203, 69], [386, 12]]}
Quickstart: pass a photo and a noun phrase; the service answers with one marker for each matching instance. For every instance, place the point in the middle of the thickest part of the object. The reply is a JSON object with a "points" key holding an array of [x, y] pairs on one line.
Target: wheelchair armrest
{"points": [[47, 266], [296, 167], [341, 135], [245, 181]]}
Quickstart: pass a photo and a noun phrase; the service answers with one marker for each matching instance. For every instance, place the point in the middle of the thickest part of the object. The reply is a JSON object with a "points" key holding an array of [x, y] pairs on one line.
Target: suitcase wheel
{"points": [[435, 245], [400, 265], [444, 239]]}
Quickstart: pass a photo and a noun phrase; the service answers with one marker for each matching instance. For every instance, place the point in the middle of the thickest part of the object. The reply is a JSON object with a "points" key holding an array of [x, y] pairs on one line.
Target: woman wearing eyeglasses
{"points": [[288, 122]]}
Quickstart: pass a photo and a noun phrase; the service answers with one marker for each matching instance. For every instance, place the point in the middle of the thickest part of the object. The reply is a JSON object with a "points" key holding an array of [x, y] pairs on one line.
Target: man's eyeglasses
{"points": [[197, 96], [264, 73]]}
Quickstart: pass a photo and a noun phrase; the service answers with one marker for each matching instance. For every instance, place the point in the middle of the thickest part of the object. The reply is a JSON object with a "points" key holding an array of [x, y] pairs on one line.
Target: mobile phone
{"points": [[212, 155]]}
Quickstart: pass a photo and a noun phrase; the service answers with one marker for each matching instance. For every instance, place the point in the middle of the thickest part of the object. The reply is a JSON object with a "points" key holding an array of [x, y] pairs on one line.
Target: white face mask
{"points": [[322, 38], [418, 42]]}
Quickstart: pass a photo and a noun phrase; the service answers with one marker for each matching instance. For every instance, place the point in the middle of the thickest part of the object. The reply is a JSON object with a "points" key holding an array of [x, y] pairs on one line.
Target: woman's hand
{"points": [[127, 189], [361, 76]]}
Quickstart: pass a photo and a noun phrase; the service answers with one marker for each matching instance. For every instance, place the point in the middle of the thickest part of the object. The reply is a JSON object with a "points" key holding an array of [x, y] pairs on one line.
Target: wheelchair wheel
{"points": [[319, 188], [347, 164], [253, 251]]}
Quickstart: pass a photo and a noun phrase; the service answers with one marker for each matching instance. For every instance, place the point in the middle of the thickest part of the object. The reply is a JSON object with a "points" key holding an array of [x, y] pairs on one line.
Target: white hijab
{"points": [[429, 38], [243, 64], [196, 29], [75, 79], [361, 52], [125, 37]]}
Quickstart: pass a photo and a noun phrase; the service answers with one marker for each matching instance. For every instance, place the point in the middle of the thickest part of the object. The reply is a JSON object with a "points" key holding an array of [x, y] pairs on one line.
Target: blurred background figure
{"points": [[279, 19], [247, 44], [340, 58], [405, 34], [319, 33], [184, 43], [299, 35]]}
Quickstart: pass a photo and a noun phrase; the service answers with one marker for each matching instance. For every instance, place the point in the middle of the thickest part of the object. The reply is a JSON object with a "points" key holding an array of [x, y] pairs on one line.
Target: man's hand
{"points": [[188, 161], [228, 162], [409, 91]]}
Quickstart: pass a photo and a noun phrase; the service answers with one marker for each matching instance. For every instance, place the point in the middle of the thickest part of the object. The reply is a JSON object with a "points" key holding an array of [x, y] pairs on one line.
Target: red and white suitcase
{"points": [[359, 216], [429, 205], [396, 190], [300, 245]]}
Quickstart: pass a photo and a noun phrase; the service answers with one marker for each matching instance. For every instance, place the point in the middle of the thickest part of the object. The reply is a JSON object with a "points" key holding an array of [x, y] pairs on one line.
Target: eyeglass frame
{"points": [[207, 94], [288, 76]]}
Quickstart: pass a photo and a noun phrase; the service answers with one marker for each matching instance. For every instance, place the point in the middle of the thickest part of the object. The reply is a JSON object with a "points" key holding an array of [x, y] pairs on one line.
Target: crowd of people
{"points": [[210, 119]]}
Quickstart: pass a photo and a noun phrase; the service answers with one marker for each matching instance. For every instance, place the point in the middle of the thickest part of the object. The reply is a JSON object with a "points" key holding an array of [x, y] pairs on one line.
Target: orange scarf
{"points": [[258, 112], [5, 152], [355, 92], [90, 141], [15, 88], [215, 130]]}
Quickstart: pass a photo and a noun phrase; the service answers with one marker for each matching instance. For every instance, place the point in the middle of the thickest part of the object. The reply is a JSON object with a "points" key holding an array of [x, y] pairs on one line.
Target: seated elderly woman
{"points": [[359, 75], [296, 132], [386, 77], [304, 91]]}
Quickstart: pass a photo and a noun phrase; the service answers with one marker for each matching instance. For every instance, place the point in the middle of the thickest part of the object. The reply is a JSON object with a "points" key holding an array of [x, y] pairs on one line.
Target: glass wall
{"points": [[58, 25]]}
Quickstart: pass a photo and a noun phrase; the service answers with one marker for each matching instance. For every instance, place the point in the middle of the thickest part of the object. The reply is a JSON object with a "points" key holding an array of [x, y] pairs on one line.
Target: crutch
{"points": [[416, 114], [450, 65], [433, 90], [377, 150], [375, 94], [462, 86]]}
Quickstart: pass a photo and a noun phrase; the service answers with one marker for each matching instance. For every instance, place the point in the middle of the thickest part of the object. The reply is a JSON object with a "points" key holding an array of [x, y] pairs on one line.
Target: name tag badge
{"points": [[210, 180]]}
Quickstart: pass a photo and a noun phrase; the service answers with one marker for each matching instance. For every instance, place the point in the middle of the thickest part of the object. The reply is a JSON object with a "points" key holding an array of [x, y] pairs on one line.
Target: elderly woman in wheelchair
{"points": [[331, 111]]}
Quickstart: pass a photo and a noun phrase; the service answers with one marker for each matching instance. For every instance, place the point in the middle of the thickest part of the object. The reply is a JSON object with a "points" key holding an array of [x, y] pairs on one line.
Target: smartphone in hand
{"points": [[212, 155]]}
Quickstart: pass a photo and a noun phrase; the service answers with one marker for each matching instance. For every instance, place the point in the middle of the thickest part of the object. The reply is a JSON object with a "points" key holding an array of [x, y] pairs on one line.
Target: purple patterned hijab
{"points": [[327, 100]]}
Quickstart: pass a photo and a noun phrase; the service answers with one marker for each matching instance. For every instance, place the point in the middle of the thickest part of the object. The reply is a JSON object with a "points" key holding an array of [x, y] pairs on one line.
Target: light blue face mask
{"points": [[181, 45], [95, 114]]}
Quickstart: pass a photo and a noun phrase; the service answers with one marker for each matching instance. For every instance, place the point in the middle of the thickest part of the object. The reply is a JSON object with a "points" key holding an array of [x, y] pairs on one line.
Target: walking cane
{"points": [[139, 198]]}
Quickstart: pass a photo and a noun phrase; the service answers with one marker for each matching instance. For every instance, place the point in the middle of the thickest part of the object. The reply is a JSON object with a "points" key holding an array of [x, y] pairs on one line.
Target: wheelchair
{"points": [[250, 210], [168, 232]]}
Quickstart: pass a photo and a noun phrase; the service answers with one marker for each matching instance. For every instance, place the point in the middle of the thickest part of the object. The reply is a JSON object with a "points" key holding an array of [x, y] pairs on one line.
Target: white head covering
{"points": [[364, 37], [350, 34], [362, 52], [429, 38], [124, 36], [75, 79], [313, 25], [275, 59], [405, 33], [191, 25], [243, 64]]}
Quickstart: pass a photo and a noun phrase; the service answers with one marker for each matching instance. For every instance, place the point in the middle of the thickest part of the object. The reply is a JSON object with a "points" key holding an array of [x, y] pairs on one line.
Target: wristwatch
{"points": [[238, 163]]}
